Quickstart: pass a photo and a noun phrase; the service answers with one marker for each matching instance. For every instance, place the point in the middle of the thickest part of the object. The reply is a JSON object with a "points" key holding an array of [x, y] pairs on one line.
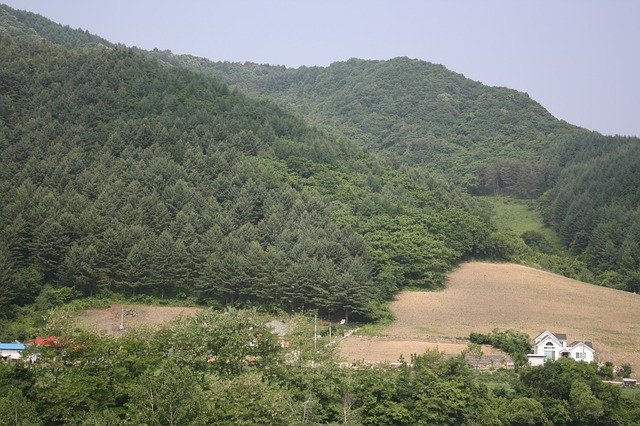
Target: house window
{"points": [[549, 352], [580, 355]]}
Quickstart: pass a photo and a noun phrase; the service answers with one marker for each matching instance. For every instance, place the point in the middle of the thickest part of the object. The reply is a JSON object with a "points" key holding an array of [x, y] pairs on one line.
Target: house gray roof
{"points": [[560, 336], [577, 342]]}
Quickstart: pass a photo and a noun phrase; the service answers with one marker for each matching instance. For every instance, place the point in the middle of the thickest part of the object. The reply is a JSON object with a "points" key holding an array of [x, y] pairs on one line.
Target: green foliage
{"points": [[606, 371], [224, 342], [486, 139], [51, 297], [516, 344], [15, 409], [585, 407], [537, 240], [248, 399], [524, 411], [122, 175], [224, 368], [625, 371], [594, 205], [167, 395]]}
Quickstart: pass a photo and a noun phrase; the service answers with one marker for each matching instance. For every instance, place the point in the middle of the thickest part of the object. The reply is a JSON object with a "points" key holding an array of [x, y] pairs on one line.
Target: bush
{"points": [[625, 371], [513, 342], [538, 241]]}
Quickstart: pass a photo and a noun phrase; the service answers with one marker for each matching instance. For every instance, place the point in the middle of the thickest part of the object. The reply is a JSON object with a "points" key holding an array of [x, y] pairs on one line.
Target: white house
{"points": [[551, 346], [11, 350]]}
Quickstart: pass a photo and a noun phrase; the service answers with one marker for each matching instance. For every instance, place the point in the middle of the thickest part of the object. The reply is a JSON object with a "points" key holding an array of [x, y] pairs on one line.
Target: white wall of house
{"points": [[10, 354], [549, 346], [581, 352], [535, 360]]}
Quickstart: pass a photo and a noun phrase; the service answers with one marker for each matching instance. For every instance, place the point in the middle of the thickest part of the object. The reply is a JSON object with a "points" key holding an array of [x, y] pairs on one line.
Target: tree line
{"points": [[226, 367]]}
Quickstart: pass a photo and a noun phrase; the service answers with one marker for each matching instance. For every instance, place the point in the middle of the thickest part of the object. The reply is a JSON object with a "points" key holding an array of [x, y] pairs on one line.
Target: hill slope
{"points": [[121, 174], [420, 112], [524, 299], [489, 140]]}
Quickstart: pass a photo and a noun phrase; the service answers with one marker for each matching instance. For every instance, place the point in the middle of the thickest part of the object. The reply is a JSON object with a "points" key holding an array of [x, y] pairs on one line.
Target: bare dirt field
{"points": [[381, 349], [482, 296], [107, 320]]}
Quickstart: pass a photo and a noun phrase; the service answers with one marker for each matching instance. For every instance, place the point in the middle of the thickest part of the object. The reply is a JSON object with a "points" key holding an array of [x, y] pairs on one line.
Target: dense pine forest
{"points": [[120, 174], [259, 190], [488, 140]]}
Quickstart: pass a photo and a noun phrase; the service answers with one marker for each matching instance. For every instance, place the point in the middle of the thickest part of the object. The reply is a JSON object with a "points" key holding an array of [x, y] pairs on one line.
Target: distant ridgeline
{"points": [[119, 173], [488, 139], [143, 173]]}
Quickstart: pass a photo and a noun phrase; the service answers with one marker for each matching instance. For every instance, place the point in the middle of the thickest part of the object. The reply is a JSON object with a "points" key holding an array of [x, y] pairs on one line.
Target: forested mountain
{"points": [[595, 205], [490, 140], [20, 22], [427, 126], [122, 174]]}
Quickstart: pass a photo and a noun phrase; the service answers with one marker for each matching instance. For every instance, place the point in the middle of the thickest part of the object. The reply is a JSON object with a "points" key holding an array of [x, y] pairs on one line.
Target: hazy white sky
{"points": [[578, 58]]}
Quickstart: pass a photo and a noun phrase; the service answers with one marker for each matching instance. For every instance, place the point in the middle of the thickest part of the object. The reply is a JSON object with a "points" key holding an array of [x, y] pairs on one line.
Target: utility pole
{"points": [[121, 317], [315, 332]]}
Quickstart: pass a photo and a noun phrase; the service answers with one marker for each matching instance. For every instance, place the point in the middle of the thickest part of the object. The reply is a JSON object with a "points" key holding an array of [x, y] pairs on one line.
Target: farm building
{"points": [[11, 350], [551, 346]]}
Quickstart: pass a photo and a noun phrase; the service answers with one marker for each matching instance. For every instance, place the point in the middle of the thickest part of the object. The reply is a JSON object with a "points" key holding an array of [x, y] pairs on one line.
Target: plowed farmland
{"points": [[482, 296]]}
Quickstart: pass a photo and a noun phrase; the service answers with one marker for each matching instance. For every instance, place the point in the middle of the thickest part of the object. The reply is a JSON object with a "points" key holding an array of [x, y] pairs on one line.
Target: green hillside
{"points": [[488, 139], [595, 205], [121, 174], [136, 179], [404, 125], [21, 23]]}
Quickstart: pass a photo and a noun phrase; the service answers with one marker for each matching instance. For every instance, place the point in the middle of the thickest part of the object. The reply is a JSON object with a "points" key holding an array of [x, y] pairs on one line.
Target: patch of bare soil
{"points": [[108, 320], [381, 349], [482, 296]]}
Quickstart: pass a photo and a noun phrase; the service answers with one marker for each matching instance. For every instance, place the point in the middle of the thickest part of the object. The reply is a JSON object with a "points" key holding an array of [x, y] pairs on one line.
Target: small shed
{"points": [[11, 351]]}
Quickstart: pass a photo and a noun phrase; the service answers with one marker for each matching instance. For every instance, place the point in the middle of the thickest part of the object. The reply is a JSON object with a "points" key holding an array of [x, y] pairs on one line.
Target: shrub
{"points": [[513, 342]]}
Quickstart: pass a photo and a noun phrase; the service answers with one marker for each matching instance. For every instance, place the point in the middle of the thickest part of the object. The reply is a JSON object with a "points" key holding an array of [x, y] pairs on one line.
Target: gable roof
{"points": [[558, 336], [575, 343], [12, 346]]}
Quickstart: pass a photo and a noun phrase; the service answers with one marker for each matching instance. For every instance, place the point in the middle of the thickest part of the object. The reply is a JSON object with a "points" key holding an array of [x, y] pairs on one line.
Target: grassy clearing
{"points": [[518, 216], [374, 329]]}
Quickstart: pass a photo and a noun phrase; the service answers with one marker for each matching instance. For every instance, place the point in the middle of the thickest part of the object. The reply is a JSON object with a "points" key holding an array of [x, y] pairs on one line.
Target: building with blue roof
{"points": [[11, 350]]}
